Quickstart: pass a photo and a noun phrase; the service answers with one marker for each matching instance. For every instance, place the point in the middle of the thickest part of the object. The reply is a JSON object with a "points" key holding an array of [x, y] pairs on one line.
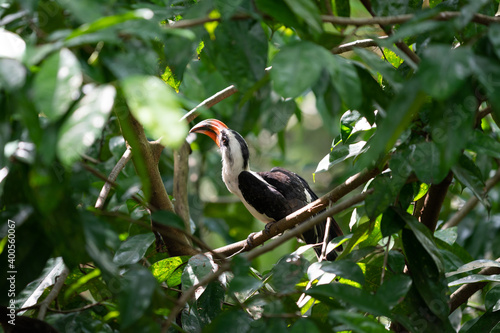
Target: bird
{"points": [[268, 196]]}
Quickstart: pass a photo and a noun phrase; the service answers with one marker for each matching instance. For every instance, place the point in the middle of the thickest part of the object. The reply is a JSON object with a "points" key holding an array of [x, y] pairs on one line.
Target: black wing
{"points": [[294, 188]]}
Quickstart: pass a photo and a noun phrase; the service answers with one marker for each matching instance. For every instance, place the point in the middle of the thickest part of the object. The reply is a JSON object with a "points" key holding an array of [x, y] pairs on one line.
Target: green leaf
{"points": [[345, 79], [135, 295], [398, 7], [196, 269], [133, 249], [169, 270], [356, 297], [109, 21], [307, 11], [288, 272], [426, 162], [154, 104], [387, 71], [304, 60], [84, 125], [338, 154], [469, 174], [12, 74], [480, 263], [168, 218], [488, 322], [384, 195], [444, 70], [57, 84], [447, 235], [209, 304], [343, 268], [232, 321], [239, 52], [474, 278], [391, 222], [427, 272], [483, 143], [394, 289], [13, 46], [492, 299], [304, 325], [357, 322], [343, 8]]}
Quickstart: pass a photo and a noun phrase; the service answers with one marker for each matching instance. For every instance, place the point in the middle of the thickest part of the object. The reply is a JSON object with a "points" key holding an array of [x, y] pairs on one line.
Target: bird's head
{"points": [[233, 147]]}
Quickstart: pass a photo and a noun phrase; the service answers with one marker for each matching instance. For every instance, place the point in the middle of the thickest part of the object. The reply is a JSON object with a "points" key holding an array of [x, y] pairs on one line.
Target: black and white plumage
{"points": [[269, 196]]}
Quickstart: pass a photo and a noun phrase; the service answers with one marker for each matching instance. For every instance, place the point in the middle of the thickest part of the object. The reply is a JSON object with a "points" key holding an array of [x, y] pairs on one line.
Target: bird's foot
{"points": [[268, 227], [250, 240]]}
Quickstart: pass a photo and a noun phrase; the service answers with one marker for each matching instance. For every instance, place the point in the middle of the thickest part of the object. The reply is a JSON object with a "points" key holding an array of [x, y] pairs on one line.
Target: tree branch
{"points": [[462, 294], [209, 102], [433, 202], [471, 203], [181, 172], [301, 214], [127, 155], [44, 305], [358, 43]]}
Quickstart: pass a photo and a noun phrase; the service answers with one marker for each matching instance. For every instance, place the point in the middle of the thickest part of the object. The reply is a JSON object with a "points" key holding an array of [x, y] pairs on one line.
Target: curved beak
{"points": [[210, 127]]}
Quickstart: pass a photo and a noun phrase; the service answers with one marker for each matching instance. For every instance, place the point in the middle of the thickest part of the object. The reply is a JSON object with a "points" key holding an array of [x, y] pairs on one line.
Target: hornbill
{"points": [[269, 196]]}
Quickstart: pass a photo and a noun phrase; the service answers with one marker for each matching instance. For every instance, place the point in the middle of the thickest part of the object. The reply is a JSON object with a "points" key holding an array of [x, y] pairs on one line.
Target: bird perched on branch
{"points": [[269, 196]]}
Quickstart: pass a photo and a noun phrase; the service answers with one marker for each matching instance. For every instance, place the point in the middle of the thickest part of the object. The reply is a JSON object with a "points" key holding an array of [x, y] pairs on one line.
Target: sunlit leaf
{"points": [[156, 107], [474, 278], [57, 84]]}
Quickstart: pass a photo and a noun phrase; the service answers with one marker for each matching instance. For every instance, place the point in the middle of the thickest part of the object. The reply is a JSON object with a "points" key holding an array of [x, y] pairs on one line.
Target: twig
{"points": [[462, 294], [325, 238], [471, 203], [127, 155], [209, 102], [301, 228], [44, 305], [83, 308], [358, 43], [301, 214], [433, 202], [186, 296]]}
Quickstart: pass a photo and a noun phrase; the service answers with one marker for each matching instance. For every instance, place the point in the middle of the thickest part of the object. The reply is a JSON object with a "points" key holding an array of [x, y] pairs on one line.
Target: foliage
{"points": [[422, 107]]}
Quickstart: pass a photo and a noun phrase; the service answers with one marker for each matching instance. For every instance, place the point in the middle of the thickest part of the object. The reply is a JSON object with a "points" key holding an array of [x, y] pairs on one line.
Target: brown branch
{"points": [[358, 43], [181, 172], [145, 156], [289, 223], [433, 202], [301, 214], [127, 155], [358, 22], [209, 102], [44, 305], [462, 294], [471, 203]]}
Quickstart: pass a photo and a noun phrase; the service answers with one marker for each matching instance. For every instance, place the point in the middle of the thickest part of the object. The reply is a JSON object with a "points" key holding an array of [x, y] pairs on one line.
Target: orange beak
{"points": [[210, 127]]}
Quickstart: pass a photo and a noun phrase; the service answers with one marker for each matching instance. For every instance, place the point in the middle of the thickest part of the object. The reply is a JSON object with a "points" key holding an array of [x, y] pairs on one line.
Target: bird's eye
{"points": [[224, 141]]}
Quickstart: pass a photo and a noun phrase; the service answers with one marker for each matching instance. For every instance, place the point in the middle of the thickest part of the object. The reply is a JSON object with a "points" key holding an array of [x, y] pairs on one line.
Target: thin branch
{"points": [[188, 294], [209, 102], [301, 214], [44, 305], [471, 203], [127, 155], [433, 202], [462, 294], [358, 43], [301, 228], [358, 22]]}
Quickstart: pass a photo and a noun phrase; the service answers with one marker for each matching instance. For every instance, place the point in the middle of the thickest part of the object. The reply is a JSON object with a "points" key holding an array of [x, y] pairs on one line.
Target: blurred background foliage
{"points": [[423, 101]]}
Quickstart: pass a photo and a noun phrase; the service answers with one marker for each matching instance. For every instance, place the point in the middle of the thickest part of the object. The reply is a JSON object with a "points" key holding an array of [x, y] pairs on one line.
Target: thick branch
{"points": [[471, 203], [145, 158], [462, 294], [433, 201], [301, 214], [181, 171]]}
